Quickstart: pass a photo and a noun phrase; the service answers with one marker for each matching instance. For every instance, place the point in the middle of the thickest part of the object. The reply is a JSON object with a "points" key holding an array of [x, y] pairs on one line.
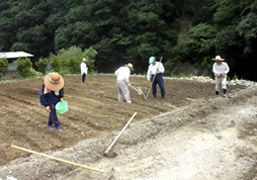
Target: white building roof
{"points": [[12, 55]]}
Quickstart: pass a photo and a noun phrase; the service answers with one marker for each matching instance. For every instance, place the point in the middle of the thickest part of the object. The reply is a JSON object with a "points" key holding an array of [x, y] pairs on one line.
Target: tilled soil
{"points": [[95, 116]]}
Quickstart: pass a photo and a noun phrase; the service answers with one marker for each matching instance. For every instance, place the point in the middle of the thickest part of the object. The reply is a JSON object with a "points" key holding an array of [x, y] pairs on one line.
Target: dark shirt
{"points": [[52, 98]]}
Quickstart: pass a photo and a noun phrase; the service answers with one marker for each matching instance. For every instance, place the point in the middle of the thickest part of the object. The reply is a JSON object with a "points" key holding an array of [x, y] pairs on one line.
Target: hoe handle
{"points": [[57, 159], [117, 137]]}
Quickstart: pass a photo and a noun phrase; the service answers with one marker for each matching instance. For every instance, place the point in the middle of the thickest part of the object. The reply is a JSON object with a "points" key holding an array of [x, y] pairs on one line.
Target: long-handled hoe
{"points": [[107, 152], [56, 159], [105, 174]]}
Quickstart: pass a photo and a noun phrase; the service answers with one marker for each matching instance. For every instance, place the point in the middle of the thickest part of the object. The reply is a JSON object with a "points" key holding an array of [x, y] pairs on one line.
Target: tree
{"points": [[3, 66], [125, 31]]}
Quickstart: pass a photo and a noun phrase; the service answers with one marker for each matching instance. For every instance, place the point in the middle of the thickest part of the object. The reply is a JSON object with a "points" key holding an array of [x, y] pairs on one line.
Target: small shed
{"points": [[12, 56]]}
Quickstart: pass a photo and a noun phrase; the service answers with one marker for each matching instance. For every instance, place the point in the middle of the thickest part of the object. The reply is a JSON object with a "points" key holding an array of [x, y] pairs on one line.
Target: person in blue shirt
{"points": [[52, 92], [155, 75]]}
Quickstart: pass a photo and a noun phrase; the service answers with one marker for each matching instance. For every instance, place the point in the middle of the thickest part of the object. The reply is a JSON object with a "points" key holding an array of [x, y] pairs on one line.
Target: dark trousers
{"points": [[84, 77], [53, 119], [158, 80]]}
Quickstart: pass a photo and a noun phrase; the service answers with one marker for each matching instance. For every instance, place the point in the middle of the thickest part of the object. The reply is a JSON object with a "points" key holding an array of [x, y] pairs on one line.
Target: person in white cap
{"points": [[122, 82], [220, 70], [52, 93], [83, 69]]}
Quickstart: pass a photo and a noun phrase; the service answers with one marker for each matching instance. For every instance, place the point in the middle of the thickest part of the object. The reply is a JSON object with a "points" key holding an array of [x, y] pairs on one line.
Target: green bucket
{"points": [[61, 107]]}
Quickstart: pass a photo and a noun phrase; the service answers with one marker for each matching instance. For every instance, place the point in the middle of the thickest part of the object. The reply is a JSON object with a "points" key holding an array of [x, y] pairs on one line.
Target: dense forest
{"points": [[181, 31]]}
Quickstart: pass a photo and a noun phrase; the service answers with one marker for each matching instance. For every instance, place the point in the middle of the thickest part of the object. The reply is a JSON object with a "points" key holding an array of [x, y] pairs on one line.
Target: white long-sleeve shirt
{"points": [[83, 68], [152, 69], [223, 68], [123, 74]]}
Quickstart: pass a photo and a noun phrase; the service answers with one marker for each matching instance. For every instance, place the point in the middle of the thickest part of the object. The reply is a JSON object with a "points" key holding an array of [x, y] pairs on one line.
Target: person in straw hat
{"points": [[122, 82], [220, 70], [83, 69], [52, 93]]}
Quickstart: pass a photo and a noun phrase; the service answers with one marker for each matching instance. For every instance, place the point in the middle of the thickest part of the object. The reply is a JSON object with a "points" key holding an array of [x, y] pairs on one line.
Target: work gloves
{"points": [[221, 74]]}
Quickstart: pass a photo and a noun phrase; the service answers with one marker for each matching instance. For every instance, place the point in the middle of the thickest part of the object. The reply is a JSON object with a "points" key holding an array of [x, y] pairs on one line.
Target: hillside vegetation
{"points": [[182, 31]]}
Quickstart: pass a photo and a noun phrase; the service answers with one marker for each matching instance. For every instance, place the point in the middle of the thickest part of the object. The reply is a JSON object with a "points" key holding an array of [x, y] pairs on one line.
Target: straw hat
{"points": [[130, 66], [218, 58], [84, 60], [54, 81]]}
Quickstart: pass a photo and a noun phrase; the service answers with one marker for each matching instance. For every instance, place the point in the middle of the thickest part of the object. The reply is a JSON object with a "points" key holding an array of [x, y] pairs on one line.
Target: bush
{"points": [[55, 63], [206, 63], [3, 66], [64, 71], [34, 73], [73, 65], [42, 65], [24, 67], [68, 61], [73, 52], [90, 55]]}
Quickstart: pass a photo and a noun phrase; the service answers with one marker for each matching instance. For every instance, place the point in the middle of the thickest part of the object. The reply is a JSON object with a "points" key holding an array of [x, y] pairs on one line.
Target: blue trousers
{"points": [[84, 77], [158, 80], [53, 119]]}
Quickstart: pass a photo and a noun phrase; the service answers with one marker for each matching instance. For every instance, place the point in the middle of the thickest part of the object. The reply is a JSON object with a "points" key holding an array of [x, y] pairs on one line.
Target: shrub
{"points": [[34, 73], [42, 65], [64, 71], [55, 63], [68, 61], [90, 55], [73, 52], [24, 67], [3, 66], [206, 62], [73, 65], [235, 77]]}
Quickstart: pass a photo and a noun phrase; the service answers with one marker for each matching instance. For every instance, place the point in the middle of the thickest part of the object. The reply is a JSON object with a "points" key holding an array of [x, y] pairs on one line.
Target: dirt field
{"points": [[95, 116]]}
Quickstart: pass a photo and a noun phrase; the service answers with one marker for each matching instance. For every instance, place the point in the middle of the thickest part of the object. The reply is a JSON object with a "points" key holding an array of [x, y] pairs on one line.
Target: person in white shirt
{"points": [[122, 82], [155, 75], [220, 70], [83, 69]]}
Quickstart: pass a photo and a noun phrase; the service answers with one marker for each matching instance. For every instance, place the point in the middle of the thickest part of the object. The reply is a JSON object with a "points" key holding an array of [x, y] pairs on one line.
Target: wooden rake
{"points": [[138, 90]]}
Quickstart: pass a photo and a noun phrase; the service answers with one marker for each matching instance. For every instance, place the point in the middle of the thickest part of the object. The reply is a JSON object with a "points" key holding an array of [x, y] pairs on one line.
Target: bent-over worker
{"points": [[52, 93], [122, 82]]}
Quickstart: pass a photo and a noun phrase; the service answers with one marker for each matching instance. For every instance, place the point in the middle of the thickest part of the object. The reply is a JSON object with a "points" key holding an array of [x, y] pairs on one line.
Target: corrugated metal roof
{"points": [[18, 54]]}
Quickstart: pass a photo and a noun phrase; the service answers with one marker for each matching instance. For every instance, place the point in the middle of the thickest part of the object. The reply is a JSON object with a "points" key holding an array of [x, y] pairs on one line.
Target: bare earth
{"points": [[193, 134]]}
